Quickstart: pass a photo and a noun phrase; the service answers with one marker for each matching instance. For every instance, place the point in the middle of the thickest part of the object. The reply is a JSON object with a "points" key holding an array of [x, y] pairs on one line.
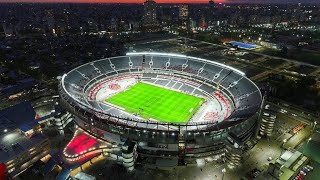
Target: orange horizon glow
{"points": [[109, 1]]}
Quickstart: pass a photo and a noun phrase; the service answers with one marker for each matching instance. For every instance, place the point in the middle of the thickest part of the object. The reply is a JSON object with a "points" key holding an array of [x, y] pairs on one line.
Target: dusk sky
{"points": [[168, 1]]}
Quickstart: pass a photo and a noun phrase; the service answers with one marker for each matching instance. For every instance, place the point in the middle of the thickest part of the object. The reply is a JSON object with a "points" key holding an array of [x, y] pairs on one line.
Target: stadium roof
{"points": [[20, 116], [14, 144], [19, 86], [184, 56], [84, 176]]}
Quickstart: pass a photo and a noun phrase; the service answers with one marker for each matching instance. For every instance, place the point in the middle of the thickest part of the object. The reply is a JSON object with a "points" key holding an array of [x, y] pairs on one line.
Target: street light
{"points": [[223, 171], [309, 140], [284, 141]]}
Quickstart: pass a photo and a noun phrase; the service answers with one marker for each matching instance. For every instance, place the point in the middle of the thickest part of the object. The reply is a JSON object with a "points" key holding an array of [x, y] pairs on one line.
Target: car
{"points": [[299, 177], [283, 111], [305, 169], [256, 174], [303, 173], [267, 106], [310, 167], [266, 114]]}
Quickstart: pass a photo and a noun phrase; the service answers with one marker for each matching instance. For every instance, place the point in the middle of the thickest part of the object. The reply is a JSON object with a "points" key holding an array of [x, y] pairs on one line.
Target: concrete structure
{"points": [[161, 144], [183, 11], [150, 13], [84, 176], [268, 119], [183, 15], [21, 143], [287, 165]]}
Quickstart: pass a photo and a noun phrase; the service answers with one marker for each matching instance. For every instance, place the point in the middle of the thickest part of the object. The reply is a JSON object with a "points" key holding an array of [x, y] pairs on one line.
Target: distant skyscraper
{"points": [[211, 10], [150, 12], [203, 23], [2, 32], [183, 15], [211, 3], [183, 12]]}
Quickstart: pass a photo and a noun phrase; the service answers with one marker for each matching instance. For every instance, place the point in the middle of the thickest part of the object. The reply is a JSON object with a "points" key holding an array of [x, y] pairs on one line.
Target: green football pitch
{"points": [[149, 101]]}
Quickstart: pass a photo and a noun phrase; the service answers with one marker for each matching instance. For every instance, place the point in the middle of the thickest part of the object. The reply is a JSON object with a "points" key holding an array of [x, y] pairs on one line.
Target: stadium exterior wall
{"points": [[196, 145], [186, 143]]}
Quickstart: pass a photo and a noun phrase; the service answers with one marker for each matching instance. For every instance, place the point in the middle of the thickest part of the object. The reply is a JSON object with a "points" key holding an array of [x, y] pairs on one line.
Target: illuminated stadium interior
{"points": [[180, 106], [154, 102], [108, 94]]}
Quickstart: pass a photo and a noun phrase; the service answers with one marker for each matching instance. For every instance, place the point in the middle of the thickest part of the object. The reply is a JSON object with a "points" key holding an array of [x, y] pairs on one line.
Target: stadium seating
{"points": [[210, 77]]}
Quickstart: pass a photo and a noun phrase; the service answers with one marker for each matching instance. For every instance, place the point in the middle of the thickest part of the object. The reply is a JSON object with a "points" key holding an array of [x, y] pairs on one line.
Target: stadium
{"points": [[164, 110]]}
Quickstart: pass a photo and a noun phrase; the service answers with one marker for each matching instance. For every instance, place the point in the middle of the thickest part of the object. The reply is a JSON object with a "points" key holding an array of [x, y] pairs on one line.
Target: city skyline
{"points": [[159, 89], [162, 1]]}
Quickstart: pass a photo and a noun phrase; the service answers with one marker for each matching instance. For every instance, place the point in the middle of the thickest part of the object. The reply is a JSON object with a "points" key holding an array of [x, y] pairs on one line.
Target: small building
{"points": [[21, 143], [287, 165], [84, 176]]}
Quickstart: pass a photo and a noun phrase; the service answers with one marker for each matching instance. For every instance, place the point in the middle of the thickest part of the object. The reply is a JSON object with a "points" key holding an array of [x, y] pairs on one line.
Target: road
{"points": [[294, 113]]}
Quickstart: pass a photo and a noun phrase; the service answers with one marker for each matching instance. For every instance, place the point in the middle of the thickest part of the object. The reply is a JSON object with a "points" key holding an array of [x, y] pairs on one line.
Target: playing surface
{"points": [[149, 101]]}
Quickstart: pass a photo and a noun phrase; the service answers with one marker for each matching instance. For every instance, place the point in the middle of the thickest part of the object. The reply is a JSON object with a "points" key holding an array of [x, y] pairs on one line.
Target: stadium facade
{"points": [[160, 144]]}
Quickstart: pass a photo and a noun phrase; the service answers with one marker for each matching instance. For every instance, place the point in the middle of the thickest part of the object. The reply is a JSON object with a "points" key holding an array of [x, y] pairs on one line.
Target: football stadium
{"points": [[164, 110]]}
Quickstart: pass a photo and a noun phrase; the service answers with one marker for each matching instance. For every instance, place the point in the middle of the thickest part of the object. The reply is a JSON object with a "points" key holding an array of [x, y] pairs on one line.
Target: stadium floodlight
{"points": [[184, 56], [156, 54]]}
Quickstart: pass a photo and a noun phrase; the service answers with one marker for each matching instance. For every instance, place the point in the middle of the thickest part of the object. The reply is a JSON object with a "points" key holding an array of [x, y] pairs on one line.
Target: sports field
{"points": [[149, 101]]}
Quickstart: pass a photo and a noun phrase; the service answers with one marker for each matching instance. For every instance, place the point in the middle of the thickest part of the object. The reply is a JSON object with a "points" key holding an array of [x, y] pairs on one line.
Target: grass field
{"points": [[158, 103]]}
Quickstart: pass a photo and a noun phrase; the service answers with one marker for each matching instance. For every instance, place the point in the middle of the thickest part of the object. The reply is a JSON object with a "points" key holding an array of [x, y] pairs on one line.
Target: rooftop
{"points": [[21, 116], [14, 143]]}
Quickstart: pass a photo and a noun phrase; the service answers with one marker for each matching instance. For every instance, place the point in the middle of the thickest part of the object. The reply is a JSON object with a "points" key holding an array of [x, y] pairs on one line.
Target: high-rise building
{"points": [[2, 32], [211, 11], [183, 15], [150, 12], [211, 3], [183, 12], [21, 141]]}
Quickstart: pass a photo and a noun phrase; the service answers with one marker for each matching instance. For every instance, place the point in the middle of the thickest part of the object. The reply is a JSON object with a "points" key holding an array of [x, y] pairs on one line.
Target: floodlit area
{"points": [[154, 102], [84, 146], [159, 99], [176, 90], [243, 45]]}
